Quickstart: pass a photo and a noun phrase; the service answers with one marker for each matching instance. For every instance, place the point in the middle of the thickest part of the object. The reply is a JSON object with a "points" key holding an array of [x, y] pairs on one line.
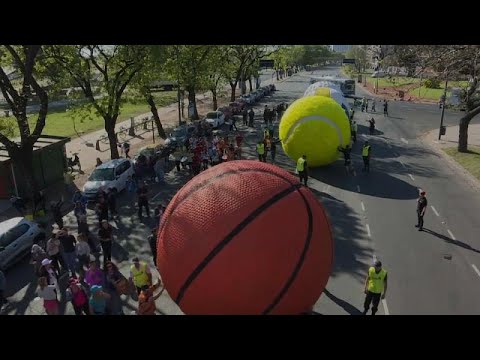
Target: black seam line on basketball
{"points": [[209, 181], [300, 262], [231, 236]]}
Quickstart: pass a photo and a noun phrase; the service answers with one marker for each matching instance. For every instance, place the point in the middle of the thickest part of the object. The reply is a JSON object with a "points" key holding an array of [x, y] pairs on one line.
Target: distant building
{"points": [[340, 48]]}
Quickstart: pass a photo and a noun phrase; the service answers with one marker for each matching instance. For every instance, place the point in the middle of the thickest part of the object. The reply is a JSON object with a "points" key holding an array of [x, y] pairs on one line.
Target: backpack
{"points": [[79, 298]]}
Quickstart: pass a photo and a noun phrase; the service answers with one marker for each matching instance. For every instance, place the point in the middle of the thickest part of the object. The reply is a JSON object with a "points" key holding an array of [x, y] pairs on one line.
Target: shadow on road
{"points": [[349, 308], [451, 241]]}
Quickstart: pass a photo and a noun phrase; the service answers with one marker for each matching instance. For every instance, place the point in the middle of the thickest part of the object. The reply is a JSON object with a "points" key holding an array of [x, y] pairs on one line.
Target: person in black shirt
{"points": [[346, 155], [101, 209], [69, 254], [106, 240], [112, 201], [56, 208], [251, 116], [142, 193], [152, 241], [421, 208]]}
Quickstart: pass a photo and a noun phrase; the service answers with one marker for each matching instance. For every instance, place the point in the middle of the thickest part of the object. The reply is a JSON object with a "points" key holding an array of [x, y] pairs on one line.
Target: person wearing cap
{"points": [[140, 274], [98, 300], [47, 271], [421, 208], [146, 299], [375, 285]]}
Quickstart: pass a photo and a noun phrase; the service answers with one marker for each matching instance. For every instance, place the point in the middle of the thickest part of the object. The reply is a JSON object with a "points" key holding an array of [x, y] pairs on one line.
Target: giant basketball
{"points": [[244, 237]]}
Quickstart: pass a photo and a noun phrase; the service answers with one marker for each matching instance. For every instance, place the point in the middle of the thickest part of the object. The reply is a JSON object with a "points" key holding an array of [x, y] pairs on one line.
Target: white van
{"points": [[112, 174]]}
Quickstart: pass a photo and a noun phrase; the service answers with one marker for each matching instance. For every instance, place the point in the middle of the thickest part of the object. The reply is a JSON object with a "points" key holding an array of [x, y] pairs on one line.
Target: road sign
{"points": [[348, 61], [267, 63]]}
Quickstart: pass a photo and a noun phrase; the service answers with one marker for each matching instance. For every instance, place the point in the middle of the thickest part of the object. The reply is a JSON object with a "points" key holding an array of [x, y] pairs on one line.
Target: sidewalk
{"points": [[450, 140]]}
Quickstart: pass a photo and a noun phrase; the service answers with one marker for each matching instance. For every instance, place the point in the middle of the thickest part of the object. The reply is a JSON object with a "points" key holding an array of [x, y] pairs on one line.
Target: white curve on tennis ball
{"points": [[315, 118]]}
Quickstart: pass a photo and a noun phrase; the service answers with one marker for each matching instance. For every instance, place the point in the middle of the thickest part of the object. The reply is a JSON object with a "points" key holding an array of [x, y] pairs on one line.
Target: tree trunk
{"points": [[214, 97], [234, 87], [192, 101], [156, 118], [110, 129], [250, 83], [463, 135]]}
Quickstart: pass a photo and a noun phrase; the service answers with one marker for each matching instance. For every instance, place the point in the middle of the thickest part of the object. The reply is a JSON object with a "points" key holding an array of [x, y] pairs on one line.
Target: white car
{"points": [[110, 175], [215, 118], [16, 240]]}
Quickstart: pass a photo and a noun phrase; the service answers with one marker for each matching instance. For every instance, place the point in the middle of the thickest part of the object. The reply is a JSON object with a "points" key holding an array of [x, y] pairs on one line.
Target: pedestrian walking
{"points": [[251, 115], [112, 201], [261, 151], [146, 299], [373, 106], [98, 300], [142, 193], [126, 149], [385, 108], [245, 116], [83, 254], [106, 240], [94, 275], [354, 131], [101, 209], [266, 114], [233, 123], [69, 243], [347, 156], [49, 295], [152, 241], [56, 207], [77, 294], [302, 169], [421, 208], [115, 285], [375, 285], [54, 253], [366, 154], [79, 210]]}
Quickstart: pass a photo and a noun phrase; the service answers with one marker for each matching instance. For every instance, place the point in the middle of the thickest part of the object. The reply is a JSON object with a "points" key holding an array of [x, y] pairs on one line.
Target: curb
{"points": [[454, 166]]}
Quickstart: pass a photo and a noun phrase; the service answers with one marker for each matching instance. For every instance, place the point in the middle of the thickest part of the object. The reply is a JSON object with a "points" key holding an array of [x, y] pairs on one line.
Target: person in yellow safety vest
{"points": [[354, 131], [366, 151], [375, 284], [140, 274], [261, 151], [302, 169], [266, 133]]}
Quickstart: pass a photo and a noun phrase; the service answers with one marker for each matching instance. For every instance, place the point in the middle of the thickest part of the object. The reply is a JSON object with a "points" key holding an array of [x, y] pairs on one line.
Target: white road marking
{"points": [[401, 162], [368, 230], [435, 211], [476, 270], [405, 141], [328, 189], [451, 234], [411, 177], [385, 307], [363, 206], [358, 188]]}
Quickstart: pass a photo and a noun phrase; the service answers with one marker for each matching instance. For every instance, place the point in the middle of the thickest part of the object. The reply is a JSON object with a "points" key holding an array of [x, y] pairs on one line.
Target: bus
{"points": [[347, 86]]}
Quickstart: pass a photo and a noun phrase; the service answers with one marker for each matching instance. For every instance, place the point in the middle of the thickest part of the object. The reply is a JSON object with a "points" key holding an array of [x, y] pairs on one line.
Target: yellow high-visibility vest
{"points": [[376, 280], [301, 164], [140, 277], [366, 150], [261, 149]]}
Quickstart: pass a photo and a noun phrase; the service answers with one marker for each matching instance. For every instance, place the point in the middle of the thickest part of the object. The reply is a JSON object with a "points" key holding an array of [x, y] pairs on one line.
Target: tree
{"points": [[359, 53], [189, 63], [452, 62], [25, 59], [154, 62], [214, 77], [103, 73]]}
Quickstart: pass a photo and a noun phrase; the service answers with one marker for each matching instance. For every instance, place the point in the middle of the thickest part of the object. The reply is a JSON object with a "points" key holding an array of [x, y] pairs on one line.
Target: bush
{"points": [[432, 84]]}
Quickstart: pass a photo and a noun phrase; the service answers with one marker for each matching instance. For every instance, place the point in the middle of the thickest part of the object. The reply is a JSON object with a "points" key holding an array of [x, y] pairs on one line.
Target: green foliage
{"points": [[432, 83]]}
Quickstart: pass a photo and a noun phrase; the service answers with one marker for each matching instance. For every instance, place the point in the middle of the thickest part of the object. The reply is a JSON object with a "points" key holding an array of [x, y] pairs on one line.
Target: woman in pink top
{"points": [[94, 275]]}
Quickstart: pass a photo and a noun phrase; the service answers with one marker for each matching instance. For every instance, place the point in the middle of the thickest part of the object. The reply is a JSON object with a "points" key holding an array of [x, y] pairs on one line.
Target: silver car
{"points": [[16, 240]]}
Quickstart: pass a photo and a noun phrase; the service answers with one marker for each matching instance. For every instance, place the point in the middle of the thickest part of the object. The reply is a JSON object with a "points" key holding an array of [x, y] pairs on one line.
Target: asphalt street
{"points": [[373, 215]]}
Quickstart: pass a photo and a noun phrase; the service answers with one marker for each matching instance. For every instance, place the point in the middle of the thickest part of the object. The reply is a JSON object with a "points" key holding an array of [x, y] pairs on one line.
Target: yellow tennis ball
{"points": [[314, 126]]}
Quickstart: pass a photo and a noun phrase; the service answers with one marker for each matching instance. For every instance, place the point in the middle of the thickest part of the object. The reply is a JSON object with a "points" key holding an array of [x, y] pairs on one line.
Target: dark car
{"points": [[179, 135], [237, 106], [227, 111]]}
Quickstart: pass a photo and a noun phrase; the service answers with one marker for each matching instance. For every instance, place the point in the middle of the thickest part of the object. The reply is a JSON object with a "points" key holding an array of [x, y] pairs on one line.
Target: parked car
{"points": [[16, 240], [272, 87], [237, 107], [227, 111], [111, 174], [256, 95], [248, 98], [266, 89], [179, 135], [262, 92], [215, 118], [242, 102]]}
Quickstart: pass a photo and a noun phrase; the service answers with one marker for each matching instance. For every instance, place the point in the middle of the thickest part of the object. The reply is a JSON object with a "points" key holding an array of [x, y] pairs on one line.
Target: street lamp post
{"points": [[443, 108], [178, 91]]}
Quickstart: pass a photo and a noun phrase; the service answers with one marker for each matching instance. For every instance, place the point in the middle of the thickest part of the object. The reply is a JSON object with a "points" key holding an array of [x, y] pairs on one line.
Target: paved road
{"points": [[371, 214]]}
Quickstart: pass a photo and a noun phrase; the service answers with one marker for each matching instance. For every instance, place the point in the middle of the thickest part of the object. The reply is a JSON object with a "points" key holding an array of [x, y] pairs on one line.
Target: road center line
{"points": [[368, 230], [435, 211], [363, 206], [385, 307], [411, 177], [358, 188], [476, 270], [451, 234], [405, 141]]}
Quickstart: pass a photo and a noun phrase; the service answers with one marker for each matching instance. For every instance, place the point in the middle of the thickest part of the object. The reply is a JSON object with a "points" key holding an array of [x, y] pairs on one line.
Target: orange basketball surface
{"points": [[244, 237]]}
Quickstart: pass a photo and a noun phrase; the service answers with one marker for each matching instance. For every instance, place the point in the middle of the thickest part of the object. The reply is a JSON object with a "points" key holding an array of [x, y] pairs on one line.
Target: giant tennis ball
{"points": [[314, 126], [227, 247]]}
